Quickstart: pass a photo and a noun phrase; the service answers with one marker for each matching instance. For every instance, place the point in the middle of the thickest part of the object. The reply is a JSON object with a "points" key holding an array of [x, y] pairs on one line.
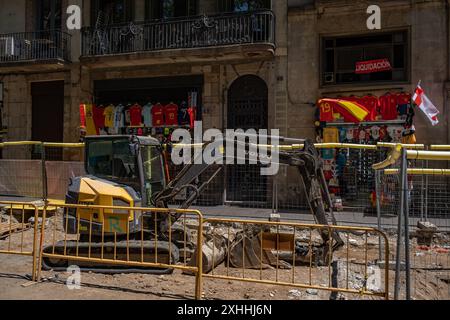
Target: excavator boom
{"points": [[306, 160]]}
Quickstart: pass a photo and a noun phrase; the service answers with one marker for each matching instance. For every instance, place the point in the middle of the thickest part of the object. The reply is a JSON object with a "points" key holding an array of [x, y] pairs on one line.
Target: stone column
{"points": [[139, 10], [206, 7]]}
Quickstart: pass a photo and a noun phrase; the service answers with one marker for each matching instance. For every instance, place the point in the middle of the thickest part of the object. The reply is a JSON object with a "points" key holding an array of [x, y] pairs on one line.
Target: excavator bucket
{"points": [[246, 252], [213, 253]]}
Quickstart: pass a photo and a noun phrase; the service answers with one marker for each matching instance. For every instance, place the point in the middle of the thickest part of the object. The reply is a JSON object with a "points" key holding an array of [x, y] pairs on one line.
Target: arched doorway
{"points": [[247, 109]]}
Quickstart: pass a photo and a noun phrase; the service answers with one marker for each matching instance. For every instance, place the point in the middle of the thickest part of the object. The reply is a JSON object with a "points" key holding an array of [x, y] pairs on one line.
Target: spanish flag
{"points": [[351, 111]]}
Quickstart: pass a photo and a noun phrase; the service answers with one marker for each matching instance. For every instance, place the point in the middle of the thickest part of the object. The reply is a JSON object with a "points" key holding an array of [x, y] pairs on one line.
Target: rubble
{"points": [[312, 292], [391, 265], [295, 293]]}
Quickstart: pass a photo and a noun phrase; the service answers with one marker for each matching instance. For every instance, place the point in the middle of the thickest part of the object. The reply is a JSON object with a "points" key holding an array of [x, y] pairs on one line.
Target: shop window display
{"points": [[367, 119]]}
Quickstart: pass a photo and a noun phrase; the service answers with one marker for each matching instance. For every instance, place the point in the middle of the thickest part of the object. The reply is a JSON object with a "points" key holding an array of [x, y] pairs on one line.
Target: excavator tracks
{"points": [[124, 251]]}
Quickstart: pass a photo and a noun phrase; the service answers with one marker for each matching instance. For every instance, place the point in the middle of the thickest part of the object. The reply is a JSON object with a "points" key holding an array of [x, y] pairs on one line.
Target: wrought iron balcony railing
{"points": [[192, 32], [35, 46]]}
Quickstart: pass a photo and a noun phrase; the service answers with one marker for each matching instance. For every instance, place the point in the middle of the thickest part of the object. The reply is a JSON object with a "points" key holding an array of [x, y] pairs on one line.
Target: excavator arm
{"points": [[306, 160]]}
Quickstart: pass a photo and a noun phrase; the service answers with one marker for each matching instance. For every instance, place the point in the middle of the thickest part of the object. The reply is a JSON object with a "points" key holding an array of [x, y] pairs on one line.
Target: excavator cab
{"points": [[132, 161], [124, 171]]}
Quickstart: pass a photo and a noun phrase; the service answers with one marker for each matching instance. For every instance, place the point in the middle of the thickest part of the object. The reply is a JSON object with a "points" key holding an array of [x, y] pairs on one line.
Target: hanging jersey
{"points": [[127, 116], [328, 154], [388, 107], [375, 131], [135, 115], [326, 111], [404, 101], [404, 98], [119, 118], [362, 135], [109, 115], [99, 118], [349, 134], [183, 114], [83, 116], [353, 99], [371, 103], [342, 134], [147, 114], [331, 135], [171, 114], [91, 130], [158, 115]]}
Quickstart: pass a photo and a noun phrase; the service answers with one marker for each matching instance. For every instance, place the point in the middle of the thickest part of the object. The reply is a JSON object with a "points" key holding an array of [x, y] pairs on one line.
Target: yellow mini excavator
{"points": [[129, 171]]}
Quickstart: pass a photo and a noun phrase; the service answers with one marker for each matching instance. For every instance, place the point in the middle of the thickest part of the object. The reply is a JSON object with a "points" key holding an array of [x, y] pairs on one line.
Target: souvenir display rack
{"points": [[348, 172]]}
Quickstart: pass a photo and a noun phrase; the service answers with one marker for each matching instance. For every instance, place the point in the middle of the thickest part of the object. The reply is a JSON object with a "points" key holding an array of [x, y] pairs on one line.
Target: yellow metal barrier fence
{"points": [[14, 223], [75, 237], [275, 243], [78, 238]]}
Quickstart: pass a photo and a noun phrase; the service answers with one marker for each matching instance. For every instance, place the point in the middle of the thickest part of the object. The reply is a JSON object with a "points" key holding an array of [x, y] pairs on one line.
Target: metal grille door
{"points": [[247, 109]]}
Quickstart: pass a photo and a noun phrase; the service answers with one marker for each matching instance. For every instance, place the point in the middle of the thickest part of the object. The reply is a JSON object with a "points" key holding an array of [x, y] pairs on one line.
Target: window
{"points": [[114, 161], [114, 11], [341, 54], [153, 168], [242, 5], [166, 9], [48, 15]]}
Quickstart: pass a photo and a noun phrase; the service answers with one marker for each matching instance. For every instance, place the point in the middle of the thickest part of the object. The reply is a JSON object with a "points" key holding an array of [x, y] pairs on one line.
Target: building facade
{"points": [[253, 64]]}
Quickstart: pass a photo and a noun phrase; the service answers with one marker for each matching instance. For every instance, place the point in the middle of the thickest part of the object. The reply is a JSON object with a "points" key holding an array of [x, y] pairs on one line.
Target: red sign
{"points": [[372, 66]]}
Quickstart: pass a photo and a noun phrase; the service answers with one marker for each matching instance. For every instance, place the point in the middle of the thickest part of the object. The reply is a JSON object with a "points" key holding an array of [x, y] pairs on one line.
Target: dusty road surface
{"points": [[430, 277]]}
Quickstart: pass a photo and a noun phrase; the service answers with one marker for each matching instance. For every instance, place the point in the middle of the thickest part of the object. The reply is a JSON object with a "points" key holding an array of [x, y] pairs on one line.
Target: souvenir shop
{"points": [[365, 119], [150, 106]]}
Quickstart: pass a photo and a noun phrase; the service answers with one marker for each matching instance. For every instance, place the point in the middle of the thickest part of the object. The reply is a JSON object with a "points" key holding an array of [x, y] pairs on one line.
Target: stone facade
{"points": [[428, 28], [291, 72]]}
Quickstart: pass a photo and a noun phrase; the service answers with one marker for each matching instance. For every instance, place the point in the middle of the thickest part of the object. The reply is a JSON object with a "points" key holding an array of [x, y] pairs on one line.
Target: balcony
{"points": [[201, 38], [27, 51]]}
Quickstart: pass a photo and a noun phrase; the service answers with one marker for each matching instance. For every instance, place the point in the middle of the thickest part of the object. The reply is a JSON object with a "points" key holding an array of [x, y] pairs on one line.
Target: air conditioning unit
{"points": [[328, 77], [7, 47]]}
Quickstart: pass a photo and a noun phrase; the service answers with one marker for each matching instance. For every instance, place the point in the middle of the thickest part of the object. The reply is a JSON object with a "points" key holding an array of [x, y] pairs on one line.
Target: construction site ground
{"points": [[427, 284]]}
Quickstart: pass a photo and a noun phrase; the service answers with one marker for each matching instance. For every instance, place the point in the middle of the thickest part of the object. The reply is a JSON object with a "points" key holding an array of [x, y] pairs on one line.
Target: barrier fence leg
{"points": [[399, 229], [44, 173], [35, 247], [426, 193], [41, 243], [406, 197], [378, 200], [199, 274]]}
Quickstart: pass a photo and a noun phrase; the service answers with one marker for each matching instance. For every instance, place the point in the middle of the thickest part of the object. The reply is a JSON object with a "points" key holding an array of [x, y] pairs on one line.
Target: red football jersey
{"points": [[326, 112], [354, 99], [136, 115], [171, 114], [99, 117], [388, 107], [404, 98], [158, 115], [371, 103], [82, 116]]}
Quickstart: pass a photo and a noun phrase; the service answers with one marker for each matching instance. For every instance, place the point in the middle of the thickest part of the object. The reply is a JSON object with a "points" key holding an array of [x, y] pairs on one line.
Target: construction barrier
{"points": [[39, 170], [15, 219], [417, 200], [36, 170], [257, 252], [84, 238], [62, 161], [21, 171]]}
